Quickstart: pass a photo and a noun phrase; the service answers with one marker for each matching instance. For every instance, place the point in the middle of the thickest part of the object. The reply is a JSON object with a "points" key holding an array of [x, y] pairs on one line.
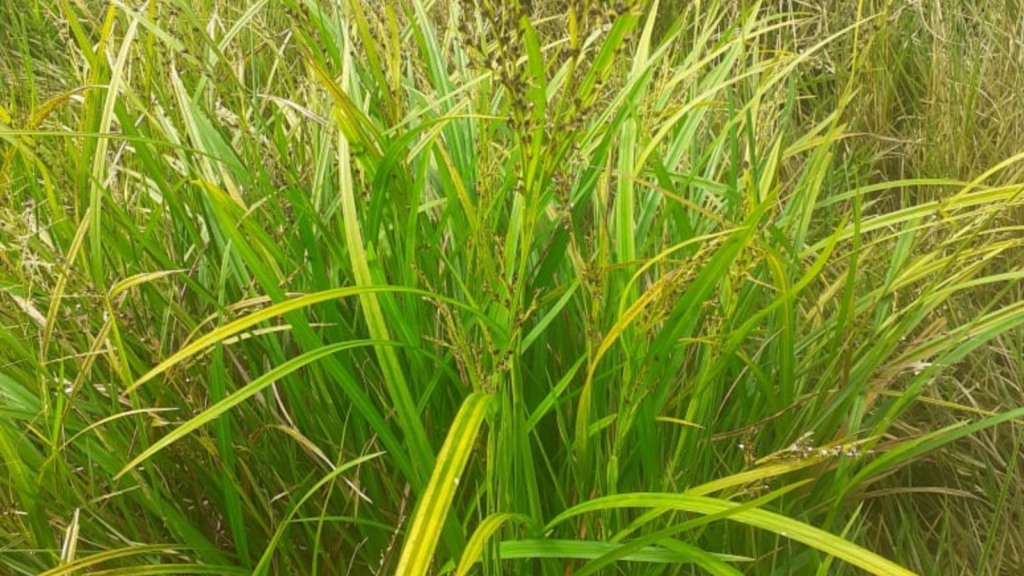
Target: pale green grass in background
{"points": [[551, 287]]}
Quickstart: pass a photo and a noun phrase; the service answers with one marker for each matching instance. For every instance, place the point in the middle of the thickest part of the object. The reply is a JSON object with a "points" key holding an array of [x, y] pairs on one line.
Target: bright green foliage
{"points": [[479, 287]]}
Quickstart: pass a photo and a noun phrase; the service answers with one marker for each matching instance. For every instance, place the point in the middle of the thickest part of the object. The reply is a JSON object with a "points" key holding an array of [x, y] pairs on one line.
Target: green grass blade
{"points": [[433, 507], [241, 395], [475, 545], [775, 523]]}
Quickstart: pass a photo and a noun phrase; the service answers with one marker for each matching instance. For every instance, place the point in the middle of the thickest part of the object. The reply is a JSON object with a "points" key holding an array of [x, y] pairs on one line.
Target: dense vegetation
{"points": [[551, 287]]}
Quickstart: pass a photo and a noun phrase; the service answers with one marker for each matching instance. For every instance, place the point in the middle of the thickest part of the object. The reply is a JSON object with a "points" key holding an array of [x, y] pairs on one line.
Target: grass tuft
{"points": [[474, 287]]}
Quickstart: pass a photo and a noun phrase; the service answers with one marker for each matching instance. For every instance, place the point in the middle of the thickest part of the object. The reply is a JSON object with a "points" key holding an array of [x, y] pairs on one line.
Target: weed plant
{"points": [[481, 287]]}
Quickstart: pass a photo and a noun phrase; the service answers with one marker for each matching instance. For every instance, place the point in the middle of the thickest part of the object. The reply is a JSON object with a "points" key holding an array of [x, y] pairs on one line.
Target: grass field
{"points": [[561, 287]]}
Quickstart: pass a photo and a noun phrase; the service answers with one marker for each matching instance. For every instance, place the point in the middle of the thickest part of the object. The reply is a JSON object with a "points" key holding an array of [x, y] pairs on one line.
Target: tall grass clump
{"points": [[474, 287]]}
